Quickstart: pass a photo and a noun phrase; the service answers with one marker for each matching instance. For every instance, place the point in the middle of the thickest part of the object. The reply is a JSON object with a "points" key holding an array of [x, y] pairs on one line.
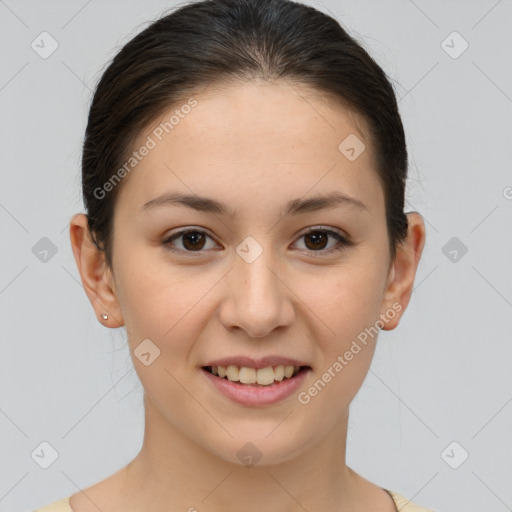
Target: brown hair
{"points": [[206, 42]]}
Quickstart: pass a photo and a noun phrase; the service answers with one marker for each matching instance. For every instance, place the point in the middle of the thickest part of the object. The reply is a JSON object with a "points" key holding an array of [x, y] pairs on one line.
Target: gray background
{"points": [[444, 375]]}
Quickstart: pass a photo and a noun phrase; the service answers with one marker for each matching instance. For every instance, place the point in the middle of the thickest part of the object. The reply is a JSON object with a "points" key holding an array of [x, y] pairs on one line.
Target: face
{"points": [[308, 285]]}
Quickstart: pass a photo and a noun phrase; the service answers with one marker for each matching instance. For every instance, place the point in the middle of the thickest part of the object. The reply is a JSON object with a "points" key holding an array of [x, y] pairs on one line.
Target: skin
{"points": [[255, 147]]}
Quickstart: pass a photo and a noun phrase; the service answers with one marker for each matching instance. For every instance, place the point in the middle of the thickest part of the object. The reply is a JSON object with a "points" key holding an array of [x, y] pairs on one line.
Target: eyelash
{"points": [[343, 242]]}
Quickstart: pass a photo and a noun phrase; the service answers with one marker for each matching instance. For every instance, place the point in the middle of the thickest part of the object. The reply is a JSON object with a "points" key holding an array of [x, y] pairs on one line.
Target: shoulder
{"points": [[405, 505], [57, 506]]}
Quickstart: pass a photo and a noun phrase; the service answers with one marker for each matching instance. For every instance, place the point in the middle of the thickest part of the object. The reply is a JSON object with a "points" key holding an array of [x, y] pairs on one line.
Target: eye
{"points": [[316, 239], [192, 240]]}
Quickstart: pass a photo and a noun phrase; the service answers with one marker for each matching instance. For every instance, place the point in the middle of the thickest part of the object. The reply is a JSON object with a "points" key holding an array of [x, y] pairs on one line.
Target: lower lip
{"points": [[248, 394]]}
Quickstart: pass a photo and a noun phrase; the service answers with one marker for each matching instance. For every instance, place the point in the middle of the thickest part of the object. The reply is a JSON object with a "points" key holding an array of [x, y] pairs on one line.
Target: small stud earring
{"points": [[104, 316]]}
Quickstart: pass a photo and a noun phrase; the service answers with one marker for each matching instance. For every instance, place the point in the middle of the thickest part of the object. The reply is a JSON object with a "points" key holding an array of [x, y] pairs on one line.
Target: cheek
{"points": [[346, 339], [349, 300], [163, 302], [349, 307]]}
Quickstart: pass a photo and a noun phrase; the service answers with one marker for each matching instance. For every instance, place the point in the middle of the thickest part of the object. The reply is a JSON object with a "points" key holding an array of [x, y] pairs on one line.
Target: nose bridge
{"points": [[258, 301], [259, 284]]}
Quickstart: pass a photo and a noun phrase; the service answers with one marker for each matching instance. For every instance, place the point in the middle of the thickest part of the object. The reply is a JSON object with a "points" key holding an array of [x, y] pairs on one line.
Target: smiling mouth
{"points": [[269, 376]]}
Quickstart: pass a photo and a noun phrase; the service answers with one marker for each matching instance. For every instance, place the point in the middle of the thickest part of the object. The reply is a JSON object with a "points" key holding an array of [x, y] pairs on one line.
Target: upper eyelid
{"points": [[328, 229]]}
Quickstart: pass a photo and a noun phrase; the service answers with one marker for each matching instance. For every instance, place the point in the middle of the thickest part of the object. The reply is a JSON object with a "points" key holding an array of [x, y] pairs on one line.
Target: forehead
{"points": [[261, 139], [283, 115]]}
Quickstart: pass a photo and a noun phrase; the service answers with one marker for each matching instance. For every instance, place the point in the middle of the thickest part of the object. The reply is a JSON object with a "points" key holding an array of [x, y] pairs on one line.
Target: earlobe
{"points": [[96, 277], [403, 271]]}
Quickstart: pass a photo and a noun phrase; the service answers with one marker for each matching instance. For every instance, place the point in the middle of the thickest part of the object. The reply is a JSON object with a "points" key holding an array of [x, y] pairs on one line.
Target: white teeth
{"points": [[247, 375], [265, 376], [279, 372], [288, 371], [232, 372], [262, 376]]}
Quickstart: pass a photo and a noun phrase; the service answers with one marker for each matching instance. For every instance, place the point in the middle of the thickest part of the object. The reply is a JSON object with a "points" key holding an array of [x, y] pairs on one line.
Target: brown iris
{"points": [[317, 237], [193, 240]]}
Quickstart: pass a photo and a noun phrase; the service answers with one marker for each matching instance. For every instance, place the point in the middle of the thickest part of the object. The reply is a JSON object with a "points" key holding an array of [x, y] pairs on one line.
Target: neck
{"points": [[171, 469]]}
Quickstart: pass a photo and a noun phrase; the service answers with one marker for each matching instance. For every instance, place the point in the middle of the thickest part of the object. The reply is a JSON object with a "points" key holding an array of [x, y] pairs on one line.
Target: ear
{"points": [[402, 272], [97, 278]]}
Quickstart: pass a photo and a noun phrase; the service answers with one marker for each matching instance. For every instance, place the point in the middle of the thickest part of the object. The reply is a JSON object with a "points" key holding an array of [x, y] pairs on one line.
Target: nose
{"points": [[256, 297]]}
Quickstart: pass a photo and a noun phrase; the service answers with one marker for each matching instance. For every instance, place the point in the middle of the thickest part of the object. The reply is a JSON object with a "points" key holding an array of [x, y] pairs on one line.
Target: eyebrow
{"points": [[293, 207]]}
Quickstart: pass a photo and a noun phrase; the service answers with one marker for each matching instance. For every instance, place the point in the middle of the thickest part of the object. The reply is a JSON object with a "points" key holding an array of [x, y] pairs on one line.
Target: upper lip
{"points": [[262, 362]]}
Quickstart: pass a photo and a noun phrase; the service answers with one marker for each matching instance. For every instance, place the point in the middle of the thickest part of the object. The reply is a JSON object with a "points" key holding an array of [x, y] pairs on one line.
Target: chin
{"points": [[251, 446]]}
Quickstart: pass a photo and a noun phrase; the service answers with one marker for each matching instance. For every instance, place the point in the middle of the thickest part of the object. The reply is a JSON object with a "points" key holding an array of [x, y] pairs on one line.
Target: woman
{"points": [[243, 171]]}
